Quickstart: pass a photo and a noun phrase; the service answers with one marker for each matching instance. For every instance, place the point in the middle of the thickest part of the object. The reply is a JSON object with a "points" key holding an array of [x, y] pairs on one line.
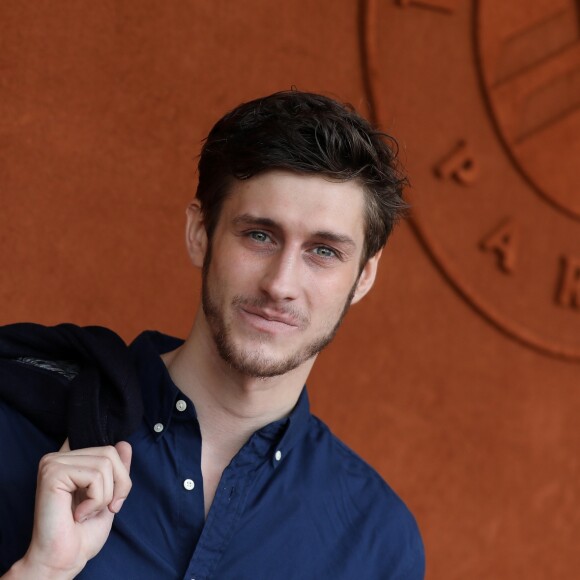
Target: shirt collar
{"points": [[160, 395], [295, 427]]}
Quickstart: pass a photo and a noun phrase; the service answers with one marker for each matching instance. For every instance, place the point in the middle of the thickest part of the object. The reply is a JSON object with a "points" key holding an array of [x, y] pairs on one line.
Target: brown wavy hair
{"points": [[305, 133]]}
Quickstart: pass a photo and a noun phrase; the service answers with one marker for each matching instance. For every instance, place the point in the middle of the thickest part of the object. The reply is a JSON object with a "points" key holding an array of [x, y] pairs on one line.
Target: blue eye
{"points": [[259, 237], [324, 252]]}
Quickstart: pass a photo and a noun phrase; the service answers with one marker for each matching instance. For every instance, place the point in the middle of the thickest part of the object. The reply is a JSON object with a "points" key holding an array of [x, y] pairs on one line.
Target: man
{"points": [[232, 477]]}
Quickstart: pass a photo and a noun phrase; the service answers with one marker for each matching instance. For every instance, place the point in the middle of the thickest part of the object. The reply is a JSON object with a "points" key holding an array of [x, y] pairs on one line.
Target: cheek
{"points": [[328, 297], [233, 275]]}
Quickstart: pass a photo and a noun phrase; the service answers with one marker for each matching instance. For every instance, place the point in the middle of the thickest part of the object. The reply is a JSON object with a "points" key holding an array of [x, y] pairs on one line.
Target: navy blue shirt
{"points": [[294, 503]]}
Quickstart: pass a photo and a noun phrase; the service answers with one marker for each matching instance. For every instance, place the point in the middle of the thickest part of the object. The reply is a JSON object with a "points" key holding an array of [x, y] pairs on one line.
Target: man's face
{"points": [[282, 269]]}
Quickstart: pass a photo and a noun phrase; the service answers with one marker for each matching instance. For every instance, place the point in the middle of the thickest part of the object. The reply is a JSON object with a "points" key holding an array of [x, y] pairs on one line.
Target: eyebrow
{"points": [[247, 219]]}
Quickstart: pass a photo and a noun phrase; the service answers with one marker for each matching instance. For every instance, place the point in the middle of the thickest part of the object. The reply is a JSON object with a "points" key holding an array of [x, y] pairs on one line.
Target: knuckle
{"points": [[47, 465], [44, 470], [43, 462], [47, 458], [124, 486], [109, 452], [98, 477], [110, 456], [103, 463]]}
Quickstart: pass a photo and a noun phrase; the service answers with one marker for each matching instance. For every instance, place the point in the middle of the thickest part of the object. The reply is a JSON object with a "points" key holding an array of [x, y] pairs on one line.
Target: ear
{"points": [[195, 234], [367, 277]]}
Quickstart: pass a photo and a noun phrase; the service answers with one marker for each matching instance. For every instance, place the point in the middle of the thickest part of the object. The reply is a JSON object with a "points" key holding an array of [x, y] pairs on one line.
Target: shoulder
{"points": [[387, 531]]}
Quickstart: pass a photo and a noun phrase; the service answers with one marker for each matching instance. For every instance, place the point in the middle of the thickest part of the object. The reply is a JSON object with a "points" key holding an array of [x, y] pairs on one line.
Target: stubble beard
{"points": [[254, 363]]}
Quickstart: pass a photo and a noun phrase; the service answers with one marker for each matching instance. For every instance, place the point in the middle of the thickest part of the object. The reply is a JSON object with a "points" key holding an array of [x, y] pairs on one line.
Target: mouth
{"points": [[269, 321]]}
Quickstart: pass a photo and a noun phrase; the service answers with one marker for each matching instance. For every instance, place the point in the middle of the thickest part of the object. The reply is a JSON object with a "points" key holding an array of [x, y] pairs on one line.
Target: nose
{"points": [[281, 278]]}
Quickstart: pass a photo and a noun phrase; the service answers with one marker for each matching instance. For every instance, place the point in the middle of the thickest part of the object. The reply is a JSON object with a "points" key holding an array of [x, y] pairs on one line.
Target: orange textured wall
{"points": [[458, 376]]}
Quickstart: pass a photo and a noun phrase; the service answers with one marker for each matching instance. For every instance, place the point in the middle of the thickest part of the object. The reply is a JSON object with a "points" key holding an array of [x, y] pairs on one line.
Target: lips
{"points": [[271, 316], [269, 321]]}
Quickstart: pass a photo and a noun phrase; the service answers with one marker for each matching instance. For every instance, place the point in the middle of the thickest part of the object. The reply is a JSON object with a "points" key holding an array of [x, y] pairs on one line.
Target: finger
{"points": [[121, 482], [102, 465], [98, 495], [118, 485], [95, 496], [117, 482], [120, 466], [125, 452], [58, 478]]}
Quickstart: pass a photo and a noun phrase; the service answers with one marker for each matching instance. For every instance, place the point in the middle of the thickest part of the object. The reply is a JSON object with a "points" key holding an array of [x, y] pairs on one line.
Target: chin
{"points": [[260, 362]]}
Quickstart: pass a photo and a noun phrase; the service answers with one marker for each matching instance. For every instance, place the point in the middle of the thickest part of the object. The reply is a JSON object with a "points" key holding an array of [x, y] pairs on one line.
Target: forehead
{"points": [[300, 203]]}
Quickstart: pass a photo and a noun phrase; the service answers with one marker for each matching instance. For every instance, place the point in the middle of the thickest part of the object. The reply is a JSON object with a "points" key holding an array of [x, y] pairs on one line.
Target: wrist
{"points": [[26, 569]]}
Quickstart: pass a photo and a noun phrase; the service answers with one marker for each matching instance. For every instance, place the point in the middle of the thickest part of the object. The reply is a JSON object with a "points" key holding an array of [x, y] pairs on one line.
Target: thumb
{"points": [[65, 446], [125, 452]]}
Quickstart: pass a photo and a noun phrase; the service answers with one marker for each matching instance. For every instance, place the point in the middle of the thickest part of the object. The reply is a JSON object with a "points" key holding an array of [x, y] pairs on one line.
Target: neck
{"points": [[230, 406]]}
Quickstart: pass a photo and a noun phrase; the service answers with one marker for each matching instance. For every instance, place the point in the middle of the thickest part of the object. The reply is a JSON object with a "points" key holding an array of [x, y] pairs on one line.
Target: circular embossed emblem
{"points": [[485, 99], [530, 63]]}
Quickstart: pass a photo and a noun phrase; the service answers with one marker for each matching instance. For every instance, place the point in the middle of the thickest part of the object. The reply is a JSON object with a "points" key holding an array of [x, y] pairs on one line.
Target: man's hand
{"points": [[78, 494]]}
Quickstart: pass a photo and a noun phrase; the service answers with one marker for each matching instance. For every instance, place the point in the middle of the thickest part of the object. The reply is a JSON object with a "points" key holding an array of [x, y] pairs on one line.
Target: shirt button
{"points": [[158, 427], [189, 484], [278, 455], [181, 405]]}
